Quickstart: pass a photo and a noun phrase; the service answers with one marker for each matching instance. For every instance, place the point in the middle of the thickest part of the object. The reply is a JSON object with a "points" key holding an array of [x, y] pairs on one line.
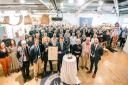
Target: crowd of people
{"points": [[32, 49]]}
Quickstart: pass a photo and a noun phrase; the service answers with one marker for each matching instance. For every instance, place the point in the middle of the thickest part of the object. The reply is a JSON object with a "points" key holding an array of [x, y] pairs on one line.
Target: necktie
{"points": [[26, 54], [95, 47], [61, 46], [95, 50]]}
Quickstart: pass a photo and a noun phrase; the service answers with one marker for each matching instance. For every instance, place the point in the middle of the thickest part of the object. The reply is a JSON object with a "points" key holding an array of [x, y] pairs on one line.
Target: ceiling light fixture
{"points": [[22, 1], [62, 4]]}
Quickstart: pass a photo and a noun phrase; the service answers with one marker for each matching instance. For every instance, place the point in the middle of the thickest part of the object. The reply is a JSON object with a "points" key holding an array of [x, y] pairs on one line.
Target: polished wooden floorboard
{"points": [[113, 70]]}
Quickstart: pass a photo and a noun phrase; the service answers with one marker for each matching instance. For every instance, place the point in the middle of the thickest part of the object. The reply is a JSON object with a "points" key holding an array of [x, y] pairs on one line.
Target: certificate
{"points": [[52, 53]]}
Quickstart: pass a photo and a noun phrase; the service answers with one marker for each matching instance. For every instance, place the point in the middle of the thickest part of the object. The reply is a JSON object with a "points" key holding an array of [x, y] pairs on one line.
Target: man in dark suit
{"points": [[62, 50], [36, 53], [96, 53], [45, 57]]}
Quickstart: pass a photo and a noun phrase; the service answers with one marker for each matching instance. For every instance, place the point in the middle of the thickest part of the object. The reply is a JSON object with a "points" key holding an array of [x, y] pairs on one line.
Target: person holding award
{"points": [[54, 40], [46, 43]]}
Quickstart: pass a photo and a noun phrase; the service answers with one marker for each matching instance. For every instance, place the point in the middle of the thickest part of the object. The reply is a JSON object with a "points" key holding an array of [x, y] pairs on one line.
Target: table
{"points": [[125, 49], [68, 73]]}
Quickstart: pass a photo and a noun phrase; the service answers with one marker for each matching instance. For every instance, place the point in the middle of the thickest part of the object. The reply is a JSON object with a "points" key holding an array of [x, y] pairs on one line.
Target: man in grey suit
{"points": [[96, 53]]}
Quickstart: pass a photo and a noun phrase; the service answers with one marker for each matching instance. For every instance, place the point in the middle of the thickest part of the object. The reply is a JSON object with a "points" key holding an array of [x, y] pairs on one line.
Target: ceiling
{"points": [[66, 6]]}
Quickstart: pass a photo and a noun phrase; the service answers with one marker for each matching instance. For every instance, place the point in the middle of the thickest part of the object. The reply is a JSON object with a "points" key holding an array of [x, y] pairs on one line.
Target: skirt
{"points": [[15, 65], [5, 62]]}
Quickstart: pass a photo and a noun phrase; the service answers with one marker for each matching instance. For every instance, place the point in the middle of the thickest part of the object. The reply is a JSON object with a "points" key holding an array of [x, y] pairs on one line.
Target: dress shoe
{"points": [[29, 77], [82, 67], [89, 72], [78, 69], [25, 80], [86, 68], [94, 75]]}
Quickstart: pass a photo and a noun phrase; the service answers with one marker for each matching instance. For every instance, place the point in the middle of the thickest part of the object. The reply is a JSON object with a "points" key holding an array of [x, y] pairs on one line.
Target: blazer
{"points": [[30, 43], [63, 51], [97, 53], [67, 42], [34, 54], [20, 57], [77, 49]]}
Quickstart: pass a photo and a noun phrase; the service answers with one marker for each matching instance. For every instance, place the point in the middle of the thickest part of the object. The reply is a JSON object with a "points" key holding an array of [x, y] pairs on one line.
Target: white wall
{"points": [[97, 19], [71, 18]]}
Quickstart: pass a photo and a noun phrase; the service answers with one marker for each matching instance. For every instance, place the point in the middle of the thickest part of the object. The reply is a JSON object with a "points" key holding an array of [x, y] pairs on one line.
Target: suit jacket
{"points": [[67, 42], [20, 53], [77, 49], [34, 54], [96, 52], [63, 51], [30, 43]]}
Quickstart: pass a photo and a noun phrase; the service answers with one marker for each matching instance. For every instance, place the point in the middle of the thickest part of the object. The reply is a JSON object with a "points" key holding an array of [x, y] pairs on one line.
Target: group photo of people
{"points": [[86, 43], [63, 42]]}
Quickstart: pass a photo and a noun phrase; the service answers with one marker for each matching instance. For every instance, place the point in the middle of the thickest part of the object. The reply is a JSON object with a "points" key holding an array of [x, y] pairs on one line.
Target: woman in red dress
{"points": [[4, 59]]}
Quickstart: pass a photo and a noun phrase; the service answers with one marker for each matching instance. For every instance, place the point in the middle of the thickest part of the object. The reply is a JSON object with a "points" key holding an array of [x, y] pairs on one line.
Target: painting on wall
{"points": [[85, 21]]}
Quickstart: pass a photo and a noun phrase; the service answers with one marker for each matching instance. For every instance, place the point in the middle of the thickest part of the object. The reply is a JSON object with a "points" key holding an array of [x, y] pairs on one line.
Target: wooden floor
{"points": [[113, 70]]}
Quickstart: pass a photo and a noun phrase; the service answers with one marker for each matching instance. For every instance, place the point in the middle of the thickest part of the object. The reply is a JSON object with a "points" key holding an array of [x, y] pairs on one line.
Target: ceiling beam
{"points": [[54, 4], [87, 3], [21, 8], [124, 3], [43, 3], [116, 7]]}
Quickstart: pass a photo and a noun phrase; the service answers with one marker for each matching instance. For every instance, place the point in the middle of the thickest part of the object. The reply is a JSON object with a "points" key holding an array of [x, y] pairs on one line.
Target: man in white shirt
{"points": [[72, 41]]}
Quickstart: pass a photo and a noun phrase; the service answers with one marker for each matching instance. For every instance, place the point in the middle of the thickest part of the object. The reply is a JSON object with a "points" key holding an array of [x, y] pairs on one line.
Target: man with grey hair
{"points": [[23, 55]]}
